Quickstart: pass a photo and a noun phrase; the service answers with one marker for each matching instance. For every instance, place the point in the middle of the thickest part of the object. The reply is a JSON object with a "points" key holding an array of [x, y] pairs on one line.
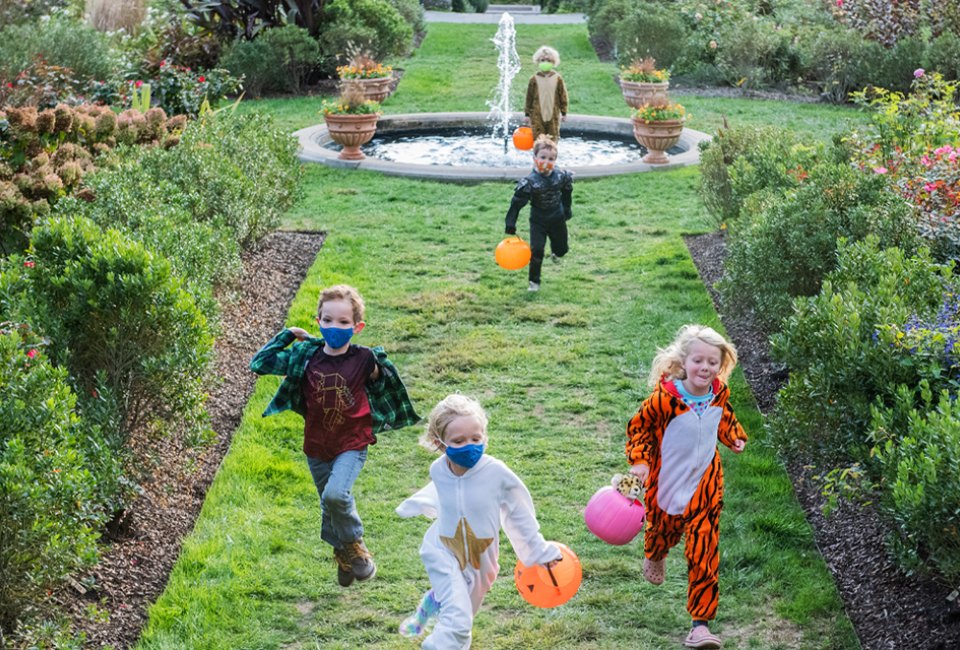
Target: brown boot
{"points": [[361, 561], [344, 568]]}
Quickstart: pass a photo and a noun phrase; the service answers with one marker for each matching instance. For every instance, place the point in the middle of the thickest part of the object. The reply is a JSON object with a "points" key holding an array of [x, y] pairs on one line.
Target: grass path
{"points": [[559, 372]]}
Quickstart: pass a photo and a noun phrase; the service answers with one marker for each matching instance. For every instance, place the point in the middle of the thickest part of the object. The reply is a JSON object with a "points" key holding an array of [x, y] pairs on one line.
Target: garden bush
{"points": [[182, 90], [48, 506], [894, 71], [461, 6], [120, 321], [44, 156], [756, 53], [650, 30], [371, 25], [254, 62], [839, 62], [742, 160], [59, 42], [296, 55], [412, 12], [222, 188], [943, 56], [799, 228], [603, 21], [839, 364], [920, 480]]}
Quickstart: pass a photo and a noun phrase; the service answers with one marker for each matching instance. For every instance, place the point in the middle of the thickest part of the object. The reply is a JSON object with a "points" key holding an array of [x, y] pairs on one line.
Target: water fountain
{"points": [[471, 147]]}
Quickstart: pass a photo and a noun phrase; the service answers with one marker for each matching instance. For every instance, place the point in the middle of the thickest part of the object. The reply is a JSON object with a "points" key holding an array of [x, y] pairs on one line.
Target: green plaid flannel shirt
{"points": [[390, 406]]}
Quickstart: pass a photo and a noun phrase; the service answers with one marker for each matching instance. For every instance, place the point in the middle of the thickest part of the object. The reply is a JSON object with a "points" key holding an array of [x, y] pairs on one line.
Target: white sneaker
{"points": [[534, 286]]}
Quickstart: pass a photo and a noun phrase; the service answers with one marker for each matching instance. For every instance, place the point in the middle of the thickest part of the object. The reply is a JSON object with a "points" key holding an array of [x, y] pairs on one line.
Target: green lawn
{"points": [[560, 373]]}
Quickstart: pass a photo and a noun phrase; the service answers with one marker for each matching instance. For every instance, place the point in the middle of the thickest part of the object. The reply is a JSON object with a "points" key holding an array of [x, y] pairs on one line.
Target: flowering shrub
{"points": [[912, 140], [179, 89], [48, 510], [659, 113], [879, 20], [932, 341], [45, 154], [39, 85], [644, 70]]}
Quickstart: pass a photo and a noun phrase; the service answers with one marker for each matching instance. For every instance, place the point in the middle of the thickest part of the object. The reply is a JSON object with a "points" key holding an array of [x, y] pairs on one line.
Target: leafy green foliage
{"points": [[799, 228], [280, 59], [375, 26], [120, 319], [921, 480], [48, 508], [650, 30], [839, 365], [59, 42], [181, 90]]}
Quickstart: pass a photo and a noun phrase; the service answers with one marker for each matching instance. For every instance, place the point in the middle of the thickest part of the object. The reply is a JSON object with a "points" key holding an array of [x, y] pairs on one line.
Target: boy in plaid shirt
{"points": [[346, 394]]}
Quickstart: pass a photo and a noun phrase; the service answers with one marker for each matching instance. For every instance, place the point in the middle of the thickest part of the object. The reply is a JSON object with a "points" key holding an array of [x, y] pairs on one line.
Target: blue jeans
{"points": [[340, 522]]}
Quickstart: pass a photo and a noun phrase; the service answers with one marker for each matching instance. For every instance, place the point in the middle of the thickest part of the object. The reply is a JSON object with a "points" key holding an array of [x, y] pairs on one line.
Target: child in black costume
{"points": [[549, 191]]}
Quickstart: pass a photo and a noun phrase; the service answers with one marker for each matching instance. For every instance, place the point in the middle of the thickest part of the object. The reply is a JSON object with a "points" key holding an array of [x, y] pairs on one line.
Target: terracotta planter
{"points": [[351, 131], [657, 137], [638, 93], [376, 89]]}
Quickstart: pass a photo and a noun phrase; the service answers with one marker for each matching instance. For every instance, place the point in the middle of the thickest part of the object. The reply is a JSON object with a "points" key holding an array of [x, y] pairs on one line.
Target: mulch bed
{"points": [[889, 609], [137, 559]]}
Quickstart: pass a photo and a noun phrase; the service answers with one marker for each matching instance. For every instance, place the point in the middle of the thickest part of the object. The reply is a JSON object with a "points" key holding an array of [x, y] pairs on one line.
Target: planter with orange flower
{"points": [[658, 127], [374, 79], [641, 83], [351, 121]]}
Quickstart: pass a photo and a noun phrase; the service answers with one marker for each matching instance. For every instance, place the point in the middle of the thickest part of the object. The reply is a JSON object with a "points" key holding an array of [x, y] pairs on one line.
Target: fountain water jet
{"points": [[508, 64]]}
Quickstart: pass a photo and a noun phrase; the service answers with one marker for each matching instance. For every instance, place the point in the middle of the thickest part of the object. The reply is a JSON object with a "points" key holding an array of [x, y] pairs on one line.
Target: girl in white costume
{"points": [[471, 495]]}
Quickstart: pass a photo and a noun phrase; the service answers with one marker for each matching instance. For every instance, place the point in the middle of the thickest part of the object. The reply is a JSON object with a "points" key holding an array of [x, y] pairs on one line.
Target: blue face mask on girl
{"points": [[336, 337], [465, 456]]}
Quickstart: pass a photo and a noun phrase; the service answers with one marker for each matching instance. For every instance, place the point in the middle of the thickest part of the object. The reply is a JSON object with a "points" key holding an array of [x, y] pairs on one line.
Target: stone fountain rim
{"points": [[312, 139]]}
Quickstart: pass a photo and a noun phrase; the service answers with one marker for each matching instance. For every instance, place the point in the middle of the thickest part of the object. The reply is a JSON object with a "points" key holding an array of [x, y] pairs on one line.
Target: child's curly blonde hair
{"points": [[668, 363], [343, 292], [446, 411], [546, 53]]}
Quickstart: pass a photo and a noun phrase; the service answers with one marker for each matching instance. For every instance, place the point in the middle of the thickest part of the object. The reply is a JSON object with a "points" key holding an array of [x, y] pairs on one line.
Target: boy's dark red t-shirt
{"points": [[338, 413]]}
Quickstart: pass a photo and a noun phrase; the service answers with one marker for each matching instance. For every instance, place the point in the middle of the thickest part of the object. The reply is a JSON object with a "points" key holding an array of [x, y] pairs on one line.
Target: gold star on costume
{"points": [[465, 545]]}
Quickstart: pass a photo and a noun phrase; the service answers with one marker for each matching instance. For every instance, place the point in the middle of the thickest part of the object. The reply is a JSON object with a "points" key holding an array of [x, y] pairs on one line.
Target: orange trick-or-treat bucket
{"points": [[543, 587], [512, 253], [523, 138]]}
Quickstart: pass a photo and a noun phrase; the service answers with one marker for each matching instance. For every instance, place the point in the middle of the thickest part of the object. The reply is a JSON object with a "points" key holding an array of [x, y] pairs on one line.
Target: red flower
{"points": [[202, 79], [31, 353], [29, 264], [9, 84], [163, 63], [138, 84]]}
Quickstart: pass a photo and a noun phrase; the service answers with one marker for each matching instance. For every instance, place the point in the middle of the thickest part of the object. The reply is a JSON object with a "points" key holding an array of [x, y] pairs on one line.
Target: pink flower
{"points": [[163, 63], [31, 353], [930, 187], [880, 170], [29, 264], [201, 79], [840, 3], [918, 73], [138, 84], [942, 150], [952, 157], [925, 161]]}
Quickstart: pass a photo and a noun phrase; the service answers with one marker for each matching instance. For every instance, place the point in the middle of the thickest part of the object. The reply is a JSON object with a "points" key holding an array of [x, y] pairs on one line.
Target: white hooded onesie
{"points": [[461, 548]]}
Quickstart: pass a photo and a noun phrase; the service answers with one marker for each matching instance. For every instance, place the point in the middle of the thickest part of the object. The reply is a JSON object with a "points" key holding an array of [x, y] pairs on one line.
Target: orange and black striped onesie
{"points": [[685, 486]]}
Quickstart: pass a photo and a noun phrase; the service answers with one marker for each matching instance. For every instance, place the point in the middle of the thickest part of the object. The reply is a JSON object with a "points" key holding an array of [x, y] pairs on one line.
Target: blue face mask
{"points": [[465, 456], [336, 337]]}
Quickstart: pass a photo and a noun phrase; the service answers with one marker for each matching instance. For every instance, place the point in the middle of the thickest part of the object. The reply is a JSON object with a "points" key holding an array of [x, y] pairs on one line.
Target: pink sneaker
{"points": [[701, 637], [654, 571]]}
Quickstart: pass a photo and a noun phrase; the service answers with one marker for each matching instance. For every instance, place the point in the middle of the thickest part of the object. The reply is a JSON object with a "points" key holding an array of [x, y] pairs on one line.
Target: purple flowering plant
{"points": [[932, 344]]}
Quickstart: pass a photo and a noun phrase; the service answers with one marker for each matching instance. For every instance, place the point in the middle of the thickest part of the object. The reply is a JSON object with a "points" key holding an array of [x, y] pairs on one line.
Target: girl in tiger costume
{"points": [[672, 447]]}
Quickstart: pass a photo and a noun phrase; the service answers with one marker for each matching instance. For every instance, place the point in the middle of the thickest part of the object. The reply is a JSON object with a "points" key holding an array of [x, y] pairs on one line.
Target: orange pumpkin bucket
{"points": [[523, 138], [542, 587], [512, 253]]}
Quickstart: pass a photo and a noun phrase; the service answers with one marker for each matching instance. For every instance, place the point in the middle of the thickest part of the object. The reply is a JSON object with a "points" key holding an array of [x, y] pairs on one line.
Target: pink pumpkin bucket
{"points": [[613, 517]]}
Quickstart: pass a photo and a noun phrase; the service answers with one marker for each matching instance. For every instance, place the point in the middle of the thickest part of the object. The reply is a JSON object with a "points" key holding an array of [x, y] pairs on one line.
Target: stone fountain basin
{"points": [[313, 140]]}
